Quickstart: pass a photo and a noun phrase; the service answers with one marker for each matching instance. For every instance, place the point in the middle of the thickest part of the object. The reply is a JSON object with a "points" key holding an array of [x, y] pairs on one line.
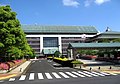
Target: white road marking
{"points": [[31, 77], [1, 81], [112, 73], [12, 79], [33, 61], [78, 74], [109, 73], [64, 75], [97, 73], [48, 76], [84, 74], [22, 77], [71, 74], [56, 75], [90, 73], [105, 73], [40, 76]]}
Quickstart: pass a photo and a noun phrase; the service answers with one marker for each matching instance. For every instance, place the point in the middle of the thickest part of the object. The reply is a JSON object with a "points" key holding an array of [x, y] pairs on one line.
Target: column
{"points": [[71, 53], [59, 43], [41, 44]]}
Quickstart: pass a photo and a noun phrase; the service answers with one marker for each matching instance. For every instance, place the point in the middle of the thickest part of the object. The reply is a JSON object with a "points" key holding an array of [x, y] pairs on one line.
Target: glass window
{"points": [[50, 42]]}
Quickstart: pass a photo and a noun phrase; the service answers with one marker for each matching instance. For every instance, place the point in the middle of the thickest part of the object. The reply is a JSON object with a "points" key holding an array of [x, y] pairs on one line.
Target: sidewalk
{"points": [[100, 66], [15, 72]]}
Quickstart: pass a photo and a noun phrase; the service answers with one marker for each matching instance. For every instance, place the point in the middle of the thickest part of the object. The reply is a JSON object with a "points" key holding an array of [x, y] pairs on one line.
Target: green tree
{"points": [[116, 40], [13, 42]]}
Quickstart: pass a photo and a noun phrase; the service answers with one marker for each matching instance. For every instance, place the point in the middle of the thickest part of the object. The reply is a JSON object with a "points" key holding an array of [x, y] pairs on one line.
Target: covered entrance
{"points": [[74, 47]]}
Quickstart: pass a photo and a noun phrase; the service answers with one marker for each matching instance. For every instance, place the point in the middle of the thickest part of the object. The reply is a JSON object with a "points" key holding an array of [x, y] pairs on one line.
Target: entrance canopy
{"points": [[72, 47], [49, 51], [94, 45]]}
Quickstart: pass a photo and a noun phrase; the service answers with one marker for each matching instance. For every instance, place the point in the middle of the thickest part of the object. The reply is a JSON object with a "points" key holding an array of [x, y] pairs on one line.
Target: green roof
{"points": [[111, 33], [94, 45], [108, 34], [58, 29], [49, 51]]}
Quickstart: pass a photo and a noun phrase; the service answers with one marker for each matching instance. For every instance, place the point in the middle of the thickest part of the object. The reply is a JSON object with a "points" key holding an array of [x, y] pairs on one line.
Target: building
{"points": [[47, 40]]}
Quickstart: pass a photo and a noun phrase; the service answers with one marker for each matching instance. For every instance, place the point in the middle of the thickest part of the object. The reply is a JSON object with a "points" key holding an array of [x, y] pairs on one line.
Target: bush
{"points": [[4, 66], [63, 61], [10, 64], [49, 57], [76, 62]]}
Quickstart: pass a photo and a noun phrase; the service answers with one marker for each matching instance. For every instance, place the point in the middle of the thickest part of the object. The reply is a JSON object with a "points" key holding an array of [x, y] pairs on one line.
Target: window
{"points": [[50, 42]]}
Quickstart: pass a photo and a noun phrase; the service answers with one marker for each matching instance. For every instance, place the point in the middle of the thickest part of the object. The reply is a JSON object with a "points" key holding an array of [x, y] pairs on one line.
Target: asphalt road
{"points": [[48, 74]]}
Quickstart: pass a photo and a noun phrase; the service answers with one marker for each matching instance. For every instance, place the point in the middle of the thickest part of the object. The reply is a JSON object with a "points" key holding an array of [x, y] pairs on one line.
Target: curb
{"points": [[26, 68], [9, 76]]}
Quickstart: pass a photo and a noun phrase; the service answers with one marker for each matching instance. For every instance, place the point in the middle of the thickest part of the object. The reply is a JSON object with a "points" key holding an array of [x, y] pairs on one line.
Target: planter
{"points": [[77, 65]]}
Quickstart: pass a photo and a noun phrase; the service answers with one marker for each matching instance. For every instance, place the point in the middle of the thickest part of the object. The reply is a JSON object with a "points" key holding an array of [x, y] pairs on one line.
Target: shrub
{"points": [[10, 64], [4, 66], [76, 62]]}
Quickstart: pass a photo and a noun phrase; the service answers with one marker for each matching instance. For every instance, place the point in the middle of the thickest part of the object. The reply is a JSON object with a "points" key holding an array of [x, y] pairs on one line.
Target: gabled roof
{"points": [[111, 33], [94, 45], [58, 29], [108, 34]]}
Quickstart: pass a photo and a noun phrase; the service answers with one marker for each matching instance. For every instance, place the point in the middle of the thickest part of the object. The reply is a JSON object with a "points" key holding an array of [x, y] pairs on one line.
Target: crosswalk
{"points": [[60, 75]]}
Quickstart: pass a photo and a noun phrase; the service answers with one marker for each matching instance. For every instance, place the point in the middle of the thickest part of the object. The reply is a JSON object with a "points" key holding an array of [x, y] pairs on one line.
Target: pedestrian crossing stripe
{"points": [[97, 73], [58, 75], [12, 79], [90, 73], [31, 77], [64, 75], [84, 74], [48, 75], [22, 77], [77, 74], [71, 74], [40, 76]]}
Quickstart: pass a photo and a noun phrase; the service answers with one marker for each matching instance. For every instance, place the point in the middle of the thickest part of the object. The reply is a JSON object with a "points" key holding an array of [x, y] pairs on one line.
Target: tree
{"points": [[13, 42]]}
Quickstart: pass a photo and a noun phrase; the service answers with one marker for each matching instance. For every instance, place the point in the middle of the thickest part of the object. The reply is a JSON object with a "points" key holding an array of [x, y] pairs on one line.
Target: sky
{"points": [[98, 13]]}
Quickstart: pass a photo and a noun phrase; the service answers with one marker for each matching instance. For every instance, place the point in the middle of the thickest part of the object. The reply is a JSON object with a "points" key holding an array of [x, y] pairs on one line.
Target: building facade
{"points": [[47, 40]]}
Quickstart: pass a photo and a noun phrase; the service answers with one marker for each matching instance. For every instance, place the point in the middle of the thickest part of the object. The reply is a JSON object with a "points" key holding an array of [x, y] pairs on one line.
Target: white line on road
{"points": [[90, 73], [12, 79], [104, 73], [113, 74], [78, 74], [40, 76], [97, 73], [22, 77], [71, 74], [56, 75], [33, 61], [31, 77], [1, 81], [84, 74], [108, 73], [48, 76], [64, 75]]}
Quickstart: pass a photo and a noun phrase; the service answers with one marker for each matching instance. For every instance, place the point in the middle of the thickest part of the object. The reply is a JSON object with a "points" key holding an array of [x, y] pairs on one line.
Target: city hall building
{"points": [[46, 40]]}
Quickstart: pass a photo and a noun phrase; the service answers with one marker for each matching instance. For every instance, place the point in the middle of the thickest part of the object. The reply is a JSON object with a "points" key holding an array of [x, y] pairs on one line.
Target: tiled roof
{"points": [[94, 45], [108, 34], [58, 29], [111, 32]]}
